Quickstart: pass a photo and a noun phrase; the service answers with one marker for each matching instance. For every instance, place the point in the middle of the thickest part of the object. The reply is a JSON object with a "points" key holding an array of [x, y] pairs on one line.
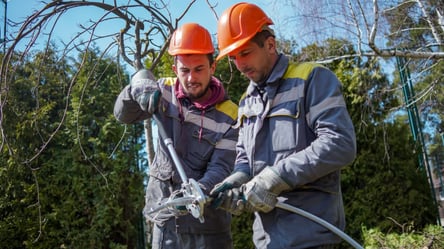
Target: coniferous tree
{"points": [[84, 189]]}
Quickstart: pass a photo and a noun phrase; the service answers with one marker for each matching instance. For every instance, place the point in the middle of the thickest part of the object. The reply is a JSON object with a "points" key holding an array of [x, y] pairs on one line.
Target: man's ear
{"points": [[213, 67], [174, 69], [270, 43]]}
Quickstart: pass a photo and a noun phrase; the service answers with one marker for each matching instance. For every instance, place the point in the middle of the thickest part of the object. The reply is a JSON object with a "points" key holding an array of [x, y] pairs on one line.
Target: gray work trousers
{"points": [[166, 237]]}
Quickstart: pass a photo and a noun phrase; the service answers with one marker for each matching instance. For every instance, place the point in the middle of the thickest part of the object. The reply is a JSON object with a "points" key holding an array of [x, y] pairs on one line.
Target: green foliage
{"points": [[410, 29], [29, 118], [234, 82], [432, 106], [386, 190], [431, 237], [164, 68], [241, 228], [80, 190]]}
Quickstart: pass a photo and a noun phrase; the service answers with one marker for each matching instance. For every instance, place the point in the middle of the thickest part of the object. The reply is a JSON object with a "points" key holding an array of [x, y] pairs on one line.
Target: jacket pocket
{"points": [[284, 123]]}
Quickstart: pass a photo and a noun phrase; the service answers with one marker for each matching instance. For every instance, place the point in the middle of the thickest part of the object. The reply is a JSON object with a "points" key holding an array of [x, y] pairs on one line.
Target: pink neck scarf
{"points": [[218, 94]]}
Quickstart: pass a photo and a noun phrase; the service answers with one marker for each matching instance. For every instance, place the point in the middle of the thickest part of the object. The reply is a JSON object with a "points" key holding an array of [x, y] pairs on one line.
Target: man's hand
{"points": [[226, 194], [234, 180], [262, 191], [232, 201], [145, 91]]}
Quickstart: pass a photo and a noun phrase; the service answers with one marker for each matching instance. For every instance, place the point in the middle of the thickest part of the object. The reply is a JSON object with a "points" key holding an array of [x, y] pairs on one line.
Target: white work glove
{"points": [[226, 194], [262, 191], [145, 91]]}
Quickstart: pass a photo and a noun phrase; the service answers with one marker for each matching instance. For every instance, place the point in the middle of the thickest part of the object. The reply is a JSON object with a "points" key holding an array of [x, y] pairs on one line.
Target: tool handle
{"points": [[169, 144]]}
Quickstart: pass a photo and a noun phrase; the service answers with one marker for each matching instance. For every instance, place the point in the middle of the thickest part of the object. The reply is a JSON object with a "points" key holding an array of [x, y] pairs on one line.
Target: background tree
{"points": [[385, 30], [367, 24], [129, 40], [33, 116], [81, 191], [137, 39]]}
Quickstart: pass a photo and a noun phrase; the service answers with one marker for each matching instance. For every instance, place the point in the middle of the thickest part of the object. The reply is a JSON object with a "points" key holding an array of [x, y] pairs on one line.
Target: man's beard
{"points": [[194, 97]]}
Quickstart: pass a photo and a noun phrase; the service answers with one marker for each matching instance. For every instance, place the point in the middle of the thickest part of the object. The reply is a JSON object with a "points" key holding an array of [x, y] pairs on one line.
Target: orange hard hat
{"points": [[191, 38], [237, 25]]}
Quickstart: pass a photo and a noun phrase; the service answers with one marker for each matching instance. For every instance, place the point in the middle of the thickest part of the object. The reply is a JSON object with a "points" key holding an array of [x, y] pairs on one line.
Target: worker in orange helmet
{"points": [[295, 135], [196, 113]]}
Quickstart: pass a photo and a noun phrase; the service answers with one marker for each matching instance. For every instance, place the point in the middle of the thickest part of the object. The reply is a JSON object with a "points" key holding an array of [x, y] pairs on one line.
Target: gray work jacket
{"points": [[297, 122], [205, 142]]}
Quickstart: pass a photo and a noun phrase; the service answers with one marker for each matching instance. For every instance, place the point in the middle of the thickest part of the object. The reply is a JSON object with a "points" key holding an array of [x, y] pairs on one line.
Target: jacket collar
{"points": [[276, 74]]}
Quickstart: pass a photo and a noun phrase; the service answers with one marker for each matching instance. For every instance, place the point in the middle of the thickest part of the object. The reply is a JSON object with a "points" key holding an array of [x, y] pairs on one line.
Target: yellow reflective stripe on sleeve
{"points": [[229, 108], [166, 94], [170, 81], [301, 70]]}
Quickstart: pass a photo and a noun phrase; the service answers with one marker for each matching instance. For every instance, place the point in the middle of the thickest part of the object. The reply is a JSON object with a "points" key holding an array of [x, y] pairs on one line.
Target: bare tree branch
{"points": [[425, 12], [129, 40], [335, 20]]}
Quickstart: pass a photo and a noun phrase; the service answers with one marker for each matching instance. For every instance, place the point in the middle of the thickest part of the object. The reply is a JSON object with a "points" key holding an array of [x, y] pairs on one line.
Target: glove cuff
{"points": [[143, 74], [271, 181], [239, 178], [154, 102]]}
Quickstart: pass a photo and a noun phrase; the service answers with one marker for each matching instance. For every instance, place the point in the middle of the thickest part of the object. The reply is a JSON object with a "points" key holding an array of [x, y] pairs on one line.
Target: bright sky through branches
{"points": [[19, 10]]}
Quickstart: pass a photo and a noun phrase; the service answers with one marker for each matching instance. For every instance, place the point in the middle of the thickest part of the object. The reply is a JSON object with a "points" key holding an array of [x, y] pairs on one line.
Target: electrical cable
{"points": [[320, 221]]}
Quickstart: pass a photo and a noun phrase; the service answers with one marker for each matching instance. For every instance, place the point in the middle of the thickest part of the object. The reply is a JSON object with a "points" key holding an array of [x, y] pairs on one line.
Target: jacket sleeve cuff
{"points": [[244, 168]]}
